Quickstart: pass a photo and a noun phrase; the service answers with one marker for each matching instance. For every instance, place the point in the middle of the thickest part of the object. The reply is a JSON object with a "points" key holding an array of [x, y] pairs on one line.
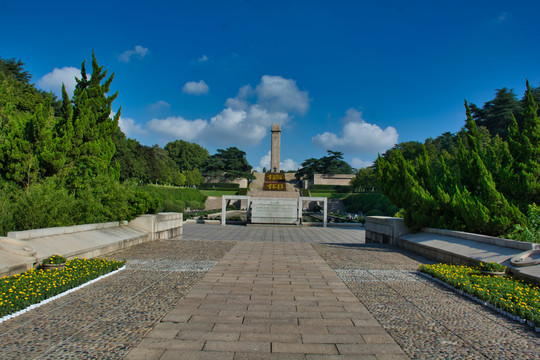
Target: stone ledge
{"points": [[24, 250], [508, 243]]}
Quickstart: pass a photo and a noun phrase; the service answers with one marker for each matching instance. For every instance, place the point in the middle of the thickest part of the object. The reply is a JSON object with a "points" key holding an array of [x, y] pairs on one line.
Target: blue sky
{"points": [[353, 76]]}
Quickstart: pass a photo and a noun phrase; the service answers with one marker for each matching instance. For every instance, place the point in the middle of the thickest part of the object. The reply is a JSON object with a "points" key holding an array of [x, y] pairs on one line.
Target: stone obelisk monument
{"points": [[276, 144]]}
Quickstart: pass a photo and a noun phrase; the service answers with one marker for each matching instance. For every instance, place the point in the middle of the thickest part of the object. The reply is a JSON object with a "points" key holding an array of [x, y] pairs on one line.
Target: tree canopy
{"points": [[187, 156], [496, 114], [228, 164], [470, 181], [327, 165]]}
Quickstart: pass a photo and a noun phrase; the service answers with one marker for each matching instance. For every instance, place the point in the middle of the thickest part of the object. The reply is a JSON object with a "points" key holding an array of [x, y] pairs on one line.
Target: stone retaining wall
{"points": [[23, 250], [385, 230]]}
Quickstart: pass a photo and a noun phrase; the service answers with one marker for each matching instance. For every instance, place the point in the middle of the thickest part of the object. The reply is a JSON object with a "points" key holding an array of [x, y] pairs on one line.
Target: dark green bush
{"points": [[242, 191], [222, 186], [194, 205], [365, 202], [173, 206], [332, 188]]}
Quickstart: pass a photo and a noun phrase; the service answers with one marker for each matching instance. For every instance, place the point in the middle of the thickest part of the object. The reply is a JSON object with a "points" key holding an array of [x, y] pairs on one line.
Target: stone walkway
{"points": [[267, 295], [333, 235], [268, 301]]}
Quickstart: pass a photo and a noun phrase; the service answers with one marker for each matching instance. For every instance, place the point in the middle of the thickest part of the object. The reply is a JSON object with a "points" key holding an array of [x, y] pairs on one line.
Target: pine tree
{"points": [[524, 145], [90, 127]]}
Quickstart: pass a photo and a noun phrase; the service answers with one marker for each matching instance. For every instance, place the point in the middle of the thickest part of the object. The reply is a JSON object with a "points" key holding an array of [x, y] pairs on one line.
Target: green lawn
{"points": [[219, 193], [329, 195]]}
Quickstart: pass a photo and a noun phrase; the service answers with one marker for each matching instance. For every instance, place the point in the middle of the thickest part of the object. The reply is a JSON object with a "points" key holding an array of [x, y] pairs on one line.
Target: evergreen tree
{"points": [[228, 164], [91, 127], [524, 145], [188, 156], [496, 114]]}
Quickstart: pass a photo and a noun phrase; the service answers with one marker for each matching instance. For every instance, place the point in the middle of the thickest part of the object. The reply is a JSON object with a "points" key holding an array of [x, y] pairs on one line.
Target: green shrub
{"points": [[491, 266], [332, 188], [194, 205], [242, 191], [44, 205], [227, 186], [374, 213], [531, 231], [173, 206], [54, 259], [365, 202]]}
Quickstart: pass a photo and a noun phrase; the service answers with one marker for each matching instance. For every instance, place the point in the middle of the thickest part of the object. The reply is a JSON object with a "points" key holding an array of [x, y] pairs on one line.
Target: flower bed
{"points": [[22, 290], [507, 293]]}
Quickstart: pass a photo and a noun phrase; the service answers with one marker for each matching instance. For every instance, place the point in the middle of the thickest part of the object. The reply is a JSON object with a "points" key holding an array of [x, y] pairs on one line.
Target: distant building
{"points": [[336, 179]]}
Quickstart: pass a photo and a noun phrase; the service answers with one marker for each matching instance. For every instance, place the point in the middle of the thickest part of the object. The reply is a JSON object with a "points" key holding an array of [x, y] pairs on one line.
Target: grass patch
{"points": [[507, 293], [219, 193], [330, 195], [19, 291]]}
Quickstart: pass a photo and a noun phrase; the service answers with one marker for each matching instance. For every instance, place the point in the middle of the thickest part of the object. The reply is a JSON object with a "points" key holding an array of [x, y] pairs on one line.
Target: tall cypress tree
{"points": [[90, 126], [524, 145]]}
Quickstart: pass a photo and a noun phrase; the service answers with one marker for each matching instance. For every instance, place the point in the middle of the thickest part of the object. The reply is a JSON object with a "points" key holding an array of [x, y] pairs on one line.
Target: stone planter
{"points": [[53, 266], [494, 273]]}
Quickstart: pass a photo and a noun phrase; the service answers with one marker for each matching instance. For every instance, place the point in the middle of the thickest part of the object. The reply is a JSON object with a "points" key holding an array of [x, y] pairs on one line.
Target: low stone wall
{"points": [[23, 250], [162, 226], [385, 230]]}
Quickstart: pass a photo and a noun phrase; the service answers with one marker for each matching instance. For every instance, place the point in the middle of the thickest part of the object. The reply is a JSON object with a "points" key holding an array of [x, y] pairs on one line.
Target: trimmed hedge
{"points": [[331, 188], [220, 186], [174, 199], [243, 191]]}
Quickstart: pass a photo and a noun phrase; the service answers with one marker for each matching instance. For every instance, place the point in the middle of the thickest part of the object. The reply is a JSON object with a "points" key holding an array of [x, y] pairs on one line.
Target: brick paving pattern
{"points": [[427, 320], [337, 235], [273, 296], [267, 300], [108, 318]]}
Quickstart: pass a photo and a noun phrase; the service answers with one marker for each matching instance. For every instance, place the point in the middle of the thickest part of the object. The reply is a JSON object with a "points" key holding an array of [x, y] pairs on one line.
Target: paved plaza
{"points": [[232, 292]]}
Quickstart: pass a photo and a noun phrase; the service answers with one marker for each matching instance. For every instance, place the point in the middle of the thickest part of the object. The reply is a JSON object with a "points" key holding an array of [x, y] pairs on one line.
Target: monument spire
{"points": [[276, 144]]}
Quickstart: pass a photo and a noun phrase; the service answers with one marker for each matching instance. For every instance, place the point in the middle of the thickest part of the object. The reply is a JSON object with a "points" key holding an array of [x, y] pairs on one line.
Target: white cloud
{"points": [[173, 128], [137, 51], [358, 136], [282, 95], [129, 127], [288, 164], [53, 80], [159, 105], [246, 118], [358, 163], [203, 58], [285, 165], [195, 88]]}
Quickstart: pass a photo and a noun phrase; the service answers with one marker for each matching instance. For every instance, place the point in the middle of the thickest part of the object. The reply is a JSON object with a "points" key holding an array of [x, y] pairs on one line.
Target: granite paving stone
{"points": [[426, 320], [106, 319], [234, 292]]}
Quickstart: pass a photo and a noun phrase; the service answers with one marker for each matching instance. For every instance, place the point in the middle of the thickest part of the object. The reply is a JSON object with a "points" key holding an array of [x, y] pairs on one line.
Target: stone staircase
{"points": [[292, 191]]}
